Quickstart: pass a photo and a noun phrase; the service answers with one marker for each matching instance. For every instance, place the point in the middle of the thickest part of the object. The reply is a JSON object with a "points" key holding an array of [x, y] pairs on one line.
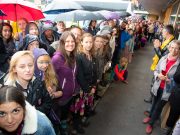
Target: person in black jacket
{"points": [[21, 75], [87, 74], [6, 32], [4, 58]]}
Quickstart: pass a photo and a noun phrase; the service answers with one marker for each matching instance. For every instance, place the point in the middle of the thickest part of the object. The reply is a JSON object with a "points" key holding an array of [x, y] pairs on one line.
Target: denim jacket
{"points": [[36, 123]]}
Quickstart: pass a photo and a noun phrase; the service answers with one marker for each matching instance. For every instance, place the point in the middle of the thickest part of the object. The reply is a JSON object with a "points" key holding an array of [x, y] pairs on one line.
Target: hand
{"points": [[162, 77], [16, 36], [50, 90], [157, 43], [168, 80]]}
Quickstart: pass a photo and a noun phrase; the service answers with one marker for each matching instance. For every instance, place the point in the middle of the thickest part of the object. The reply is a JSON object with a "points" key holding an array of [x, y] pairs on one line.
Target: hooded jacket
{"points": [[37, 52], [35, 123], [66, 76], [43, 38]]}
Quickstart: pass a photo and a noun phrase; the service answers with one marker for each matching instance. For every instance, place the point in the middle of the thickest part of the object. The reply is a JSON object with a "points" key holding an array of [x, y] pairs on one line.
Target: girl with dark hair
{"points": [[64, 63], [6, 34], [21, 75], [32, 29], [18, 117]]}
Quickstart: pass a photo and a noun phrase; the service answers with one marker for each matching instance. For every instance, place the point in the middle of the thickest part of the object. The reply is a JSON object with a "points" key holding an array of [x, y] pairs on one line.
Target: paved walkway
{"points": [[120, 112]]}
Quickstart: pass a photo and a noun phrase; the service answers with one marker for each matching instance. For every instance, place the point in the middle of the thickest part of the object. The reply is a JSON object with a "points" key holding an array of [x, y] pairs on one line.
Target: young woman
{"points": [[163, 74], [21, 75], [32, 29], [45, 71], [19, 36], [18, 117], [98, 55], [65, 67], [6, 34], [87, 75]]}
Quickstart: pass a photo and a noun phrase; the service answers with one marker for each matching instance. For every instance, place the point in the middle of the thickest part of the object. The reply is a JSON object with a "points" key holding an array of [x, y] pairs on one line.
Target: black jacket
{"points": [[4, 57], [37, 95], [86, 73]]}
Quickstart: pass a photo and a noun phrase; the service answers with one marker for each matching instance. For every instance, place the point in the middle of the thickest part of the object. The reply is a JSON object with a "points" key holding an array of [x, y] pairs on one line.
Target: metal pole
{"points": [[177, 14]]}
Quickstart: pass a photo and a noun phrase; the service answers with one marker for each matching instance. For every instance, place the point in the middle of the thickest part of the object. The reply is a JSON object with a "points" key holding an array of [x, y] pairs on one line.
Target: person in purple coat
{"points": [[64, 63]]}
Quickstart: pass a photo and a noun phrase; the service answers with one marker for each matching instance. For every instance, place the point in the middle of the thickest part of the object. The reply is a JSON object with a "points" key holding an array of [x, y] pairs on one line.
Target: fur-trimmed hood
{"points": [[30, 120]]}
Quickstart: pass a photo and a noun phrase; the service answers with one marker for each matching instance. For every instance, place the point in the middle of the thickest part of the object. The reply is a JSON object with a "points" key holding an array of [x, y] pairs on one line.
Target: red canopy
{"points": [[16, 9]]}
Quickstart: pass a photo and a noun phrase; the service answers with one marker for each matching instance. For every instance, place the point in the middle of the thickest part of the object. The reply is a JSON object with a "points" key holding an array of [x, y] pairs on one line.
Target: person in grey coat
{"points": [[161, 89]]}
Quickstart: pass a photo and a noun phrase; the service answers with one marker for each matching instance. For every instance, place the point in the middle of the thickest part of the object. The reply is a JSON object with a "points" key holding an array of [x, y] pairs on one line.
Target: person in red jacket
{"points": [[120, 70]]}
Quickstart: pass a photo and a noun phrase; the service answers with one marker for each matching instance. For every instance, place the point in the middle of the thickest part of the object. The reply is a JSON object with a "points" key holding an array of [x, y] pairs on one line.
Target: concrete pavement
{"points": [[120, 111]]}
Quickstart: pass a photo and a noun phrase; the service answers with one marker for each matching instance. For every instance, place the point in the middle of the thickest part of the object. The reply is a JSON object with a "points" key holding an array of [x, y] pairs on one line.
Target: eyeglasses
{"points": [[43, 62]]}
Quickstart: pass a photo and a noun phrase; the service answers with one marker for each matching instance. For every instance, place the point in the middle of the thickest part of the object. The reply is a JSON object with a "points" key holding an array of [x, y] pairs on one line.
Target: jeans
{"points": [[157, 106]]}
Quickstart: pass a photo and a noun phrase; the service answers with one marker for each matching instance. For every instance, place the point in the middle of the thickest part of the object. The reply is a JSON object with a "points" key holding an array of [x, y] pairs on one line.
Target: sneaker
{"points": [[149, 129], [146, 120]]}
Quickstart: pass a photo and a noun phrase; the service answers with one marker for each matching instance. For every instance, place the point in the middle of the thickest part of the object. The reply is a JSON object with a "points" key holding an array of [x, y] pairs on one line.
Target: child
{"points": [[44, 71], [130, 45], [120, 70]]}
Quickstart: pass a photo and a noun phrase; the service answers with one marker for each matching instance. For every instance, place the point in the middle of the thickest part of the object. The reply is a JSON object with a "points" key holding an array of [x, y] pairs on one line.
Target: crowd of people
{"points": [[57, 73]]}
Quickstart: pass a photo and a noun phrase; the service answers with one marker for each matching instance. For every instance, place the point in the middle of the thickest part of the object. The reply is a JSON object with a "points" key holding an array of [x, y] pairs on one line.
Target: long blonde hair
{"points": [[14, 59], [82, 38], [50, 75]]}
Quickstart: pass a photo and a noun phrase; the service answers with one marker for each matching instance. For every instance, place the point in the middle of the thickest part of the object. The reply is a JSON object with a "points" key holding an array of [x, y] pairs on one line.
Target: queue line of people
{"points": [[164, 84], [60, 72]]}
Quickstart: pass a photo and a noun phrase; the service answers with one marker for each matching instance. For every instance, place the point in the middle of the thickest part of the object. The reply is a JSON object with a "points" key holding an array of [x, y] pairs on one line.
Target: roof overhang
{"points": [[155, 6]]}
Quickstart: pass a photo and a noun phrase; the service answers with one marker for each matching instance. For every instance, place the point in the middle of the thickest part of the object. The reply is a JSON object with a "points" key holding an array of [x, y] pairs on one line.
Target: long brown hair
{"points": [[69, 59]]}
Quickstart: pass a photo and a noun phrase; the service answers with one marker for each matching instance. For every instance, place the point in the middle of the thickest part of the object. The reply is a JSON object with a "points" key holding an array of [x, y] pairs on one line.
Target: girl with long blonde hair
{"points": [[45, 71], [21, 75], [86, 75]]}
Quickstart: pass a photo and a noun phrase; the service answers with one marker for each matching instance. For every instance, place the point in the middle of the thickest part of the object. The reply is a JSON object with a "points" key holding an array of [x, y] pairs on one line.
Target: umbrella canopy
{"points": [[61, 6], [16, 9], [78, 15], [109, 14], [123, 14], [2, 13]]}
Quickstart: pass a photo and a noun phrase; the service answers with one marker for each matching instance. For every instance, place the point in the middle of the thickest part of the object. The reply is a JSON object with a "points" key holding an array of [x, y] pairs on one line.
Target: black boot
{"points": [[64, 127]]}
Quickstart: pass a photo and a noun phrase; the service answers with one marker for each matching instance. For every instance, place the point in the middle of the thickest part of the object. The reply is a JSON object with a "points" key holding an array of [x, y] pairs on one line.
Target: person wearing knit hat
{"points": [[48, 35], [30, 42], [37, 52], [45, 71]]}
